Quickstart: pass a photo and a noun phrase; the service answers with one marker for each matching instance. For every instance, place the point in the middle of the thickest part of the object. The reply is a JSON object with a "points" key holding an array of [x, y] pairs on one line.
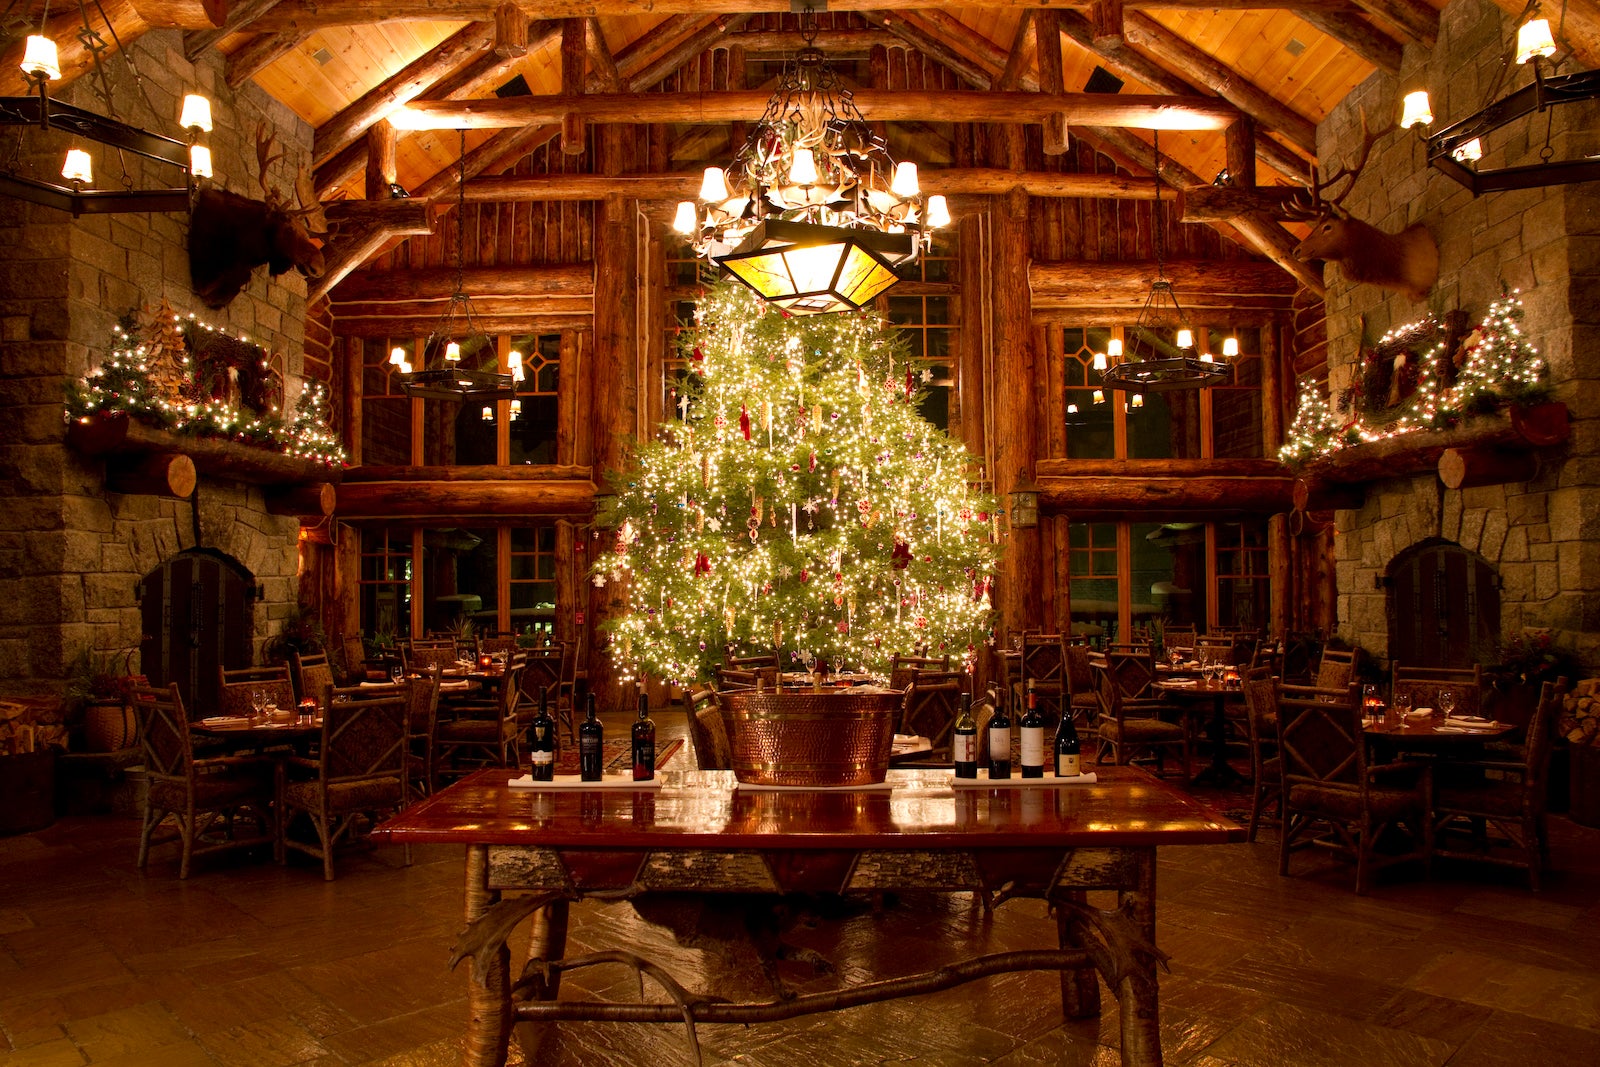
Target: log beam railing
{"points": [[414, 493], [1176, 487]]}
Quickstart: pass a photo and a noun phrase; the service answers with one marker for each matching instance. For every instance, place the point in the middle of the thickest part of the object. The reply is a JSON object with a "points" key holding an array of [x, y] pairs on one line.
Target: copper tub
{"points": [[836, 738]]}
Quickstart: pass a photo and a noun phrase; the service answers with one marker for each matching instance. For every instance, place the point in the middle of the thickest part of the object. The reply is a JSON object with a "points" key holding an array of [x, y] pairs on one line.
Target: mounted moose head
{"points": [[1407, 262], [231, 235]]}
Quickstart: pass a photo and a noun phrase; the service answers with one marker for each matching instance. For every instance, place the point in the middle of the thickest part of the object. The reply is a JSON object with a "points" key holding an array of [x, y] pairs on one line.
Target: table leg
{"points": [[1080, 989], [547, 942], [1220, 773], [1137, 989], [488, 1002]]}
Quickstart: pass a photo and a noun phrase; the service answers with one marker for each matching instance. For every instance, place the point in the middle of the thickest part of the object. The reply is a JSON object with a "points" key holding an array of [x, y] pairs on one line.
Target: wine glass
{"points": [[258, 701], [1174, 657], [1400, 702], [397, 673], [1207, 668], [1447, 705]]}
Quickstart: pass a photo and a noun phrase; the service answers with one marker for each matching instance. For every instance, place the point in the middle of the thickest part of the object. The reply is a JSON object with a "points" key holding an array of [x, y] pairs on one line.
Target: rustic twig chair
{"points": [[422, 722], [932, 701], [312, 674], [1128, 727], [491, 740], [1337, 668], [235, 688], [1266, 769]]}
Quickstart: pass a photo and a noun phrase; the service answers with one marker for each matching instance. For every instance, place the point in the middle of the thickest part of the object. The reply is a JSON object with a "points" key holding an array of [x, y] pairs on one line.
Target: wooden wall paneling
{"points": [[502, 423], [1279, 570], [1053, 441], [655, 340], [1124, 581], [354, 394], [502, 574], [567, 394]]}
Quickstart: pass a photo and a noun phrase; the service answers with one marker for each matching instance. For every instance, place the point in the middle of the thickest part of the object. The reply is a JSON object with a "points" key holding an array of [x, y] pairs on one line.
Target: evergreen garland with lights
{"points": [[796, 501], [1501, 367], [149, 376]]}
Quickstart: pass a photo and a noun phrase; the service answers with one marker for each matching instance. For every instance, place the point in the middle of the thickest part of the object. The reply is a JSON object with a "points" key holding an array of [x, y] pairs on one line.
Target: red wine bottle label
{"points": [[539, 757], [1032, 746], [1000, 744], [965, 749], [1068, 767]]}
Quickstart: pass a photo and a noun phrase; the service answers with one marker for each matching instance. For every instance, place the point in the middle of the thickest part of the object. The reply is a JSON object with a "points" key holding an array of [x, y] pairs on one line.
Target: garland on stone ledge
{"points": [[1501, 368], [150, 375]]}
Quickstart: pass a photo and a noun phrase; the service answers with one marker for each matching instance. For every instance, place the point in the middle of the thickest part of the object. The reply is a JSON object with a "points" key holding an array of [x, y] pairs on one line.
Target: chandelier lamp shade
{"points": [[813, 214], [447, 379], [1150, 363], [190, 157], [1458, 149]]}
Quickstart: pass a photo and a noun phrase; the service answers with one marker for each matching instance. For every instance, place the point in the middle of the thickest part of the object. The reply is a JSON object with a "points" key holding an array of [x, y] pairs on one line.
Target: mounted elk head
{"points": [[1407, 262], [231, 235]]}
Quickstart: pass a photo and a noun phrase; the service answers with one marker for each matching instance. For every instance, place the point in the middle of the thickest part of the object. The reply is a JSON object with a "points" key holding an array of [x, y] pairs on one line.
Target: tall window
{"points": [[535, 420], [1236, 408], [1091, 425], [385, 410], [1168, 574], [925, 314], [385, 582], [533, 577], [1095, 579], [459, 581], [1242, 583]]}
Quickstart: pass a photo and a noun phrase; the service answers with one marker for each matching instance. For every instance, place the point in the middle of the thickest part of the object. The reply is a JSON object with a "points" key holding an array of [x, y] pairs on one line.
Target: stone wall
{"points": [[71, 553], [1542, 535]]}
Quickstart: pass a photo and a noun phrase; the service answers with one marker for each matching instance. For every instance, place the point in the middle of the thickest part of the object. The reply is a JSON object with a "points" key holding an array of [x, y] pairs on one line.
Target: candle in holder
{"points": [[485, 660]]}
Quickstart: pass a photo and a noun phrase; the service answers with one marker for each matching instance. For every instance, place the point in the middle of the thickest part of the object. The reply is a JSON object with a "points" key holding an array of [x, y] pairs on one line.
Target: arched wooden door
{"points": [[198, 610], [1444, 607]]}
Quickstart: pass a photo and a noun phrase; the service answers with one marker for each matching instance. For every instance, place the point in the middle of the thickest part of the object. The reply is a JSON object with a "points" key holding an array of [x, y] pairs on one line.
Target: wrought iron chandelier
{"points": [[1151, 364], [74, 192], [813, 214], [1457, 148], [457, 325]]}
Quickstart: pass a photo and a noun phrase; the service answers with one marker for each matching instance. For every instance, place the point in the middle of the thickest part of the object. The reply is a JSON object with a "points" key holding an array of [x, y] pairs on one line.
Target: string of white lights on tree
{"points": [[797, 501]]}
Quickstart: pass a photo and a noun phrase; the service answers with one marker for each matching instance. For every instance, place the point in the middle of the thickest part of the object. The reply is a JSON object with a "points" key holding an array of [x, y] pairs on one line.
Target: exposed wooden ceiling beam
{"points": [[319, 14], [847, 43], [568, 279], [1416, 20], [409, 83], [259, 53], [1358, 35], [1192, 62], [361, 228], [601, 61], [703, 108], [240, 16], [963, 65], [1017, 60]]}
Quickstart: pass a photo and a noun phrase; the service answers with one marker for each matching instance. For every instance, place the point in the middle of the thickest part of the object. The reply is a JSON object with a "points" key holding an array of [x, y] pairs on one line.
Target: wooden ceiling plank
{"points": [[1358, 35], [708, 108], [259, 53], [1152, 36], [415, 78], [1417, 20], [240, 16], [706, 37]]}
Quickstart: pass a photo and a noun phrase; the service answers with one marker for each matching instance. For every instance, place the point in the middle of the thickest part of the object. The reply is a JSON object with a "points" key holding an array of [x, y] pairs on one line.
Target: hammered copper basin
{"points": [[842, 737]]}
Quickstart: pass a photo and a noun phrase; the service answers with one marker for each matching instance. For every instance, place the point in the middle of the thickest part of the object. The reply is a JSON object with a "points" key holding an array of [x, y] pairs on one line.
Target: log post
{"points": [[574, 49], [382, 171], [1468, 468], [1047, 38], [1106, 18], [1014, 429], [316, 499], [154, 474], [1240, 141], [1316, 494], [510, 32], [355, 388]]}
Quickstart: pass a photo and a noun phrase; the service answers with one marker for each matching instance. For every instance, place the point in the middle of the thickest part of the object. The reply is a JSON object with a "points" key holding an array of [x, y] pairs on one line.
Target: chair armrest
{"points": [[225, 763]]}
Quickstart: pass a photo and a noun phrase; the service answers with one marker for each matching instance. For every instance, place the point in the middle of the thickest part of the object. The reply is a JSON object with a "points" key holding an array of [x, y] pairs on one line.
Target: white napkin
{"points": [[1471, 722]]}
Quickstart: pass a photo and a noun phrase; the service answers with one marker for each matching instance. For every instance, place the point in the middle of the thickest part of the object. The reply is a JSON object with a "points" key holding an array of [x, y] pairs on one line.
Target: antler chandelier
{"points": [[1152, 364], [814, 214]]}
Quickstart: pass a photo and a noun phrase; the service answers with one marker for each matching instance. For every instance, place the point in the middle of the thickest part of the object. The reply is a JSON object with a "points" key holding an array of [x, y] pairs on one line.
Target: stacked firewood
{"points": [[1580, 714], [28, 727]]}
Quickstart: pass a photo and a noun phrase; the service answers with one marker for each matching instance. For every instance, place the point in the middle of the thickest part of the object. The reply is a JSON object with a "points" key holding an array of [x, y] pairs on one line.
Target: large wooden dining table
{"points": [[530, 855]]}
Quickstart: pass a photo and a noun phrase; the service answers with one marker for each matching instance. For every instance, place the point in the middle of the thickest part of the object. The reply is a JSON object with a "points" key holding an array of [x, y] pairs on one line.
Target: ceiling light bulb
{"points": [[1114, 348], [1230, 347], [1534, 40], [905, 181], [452, 352], [713, 185], [1072, 409], [397, 355], [1207, 357], [405, 366], [1099, 396], [685, 221], [1138, 400], [39, 58], [803, 168], [199, 161], [1416, 111], [78, 168], [1099, 362], [938, 212], [1470, 152], [196, 114], [488, 413], [1185, 338]]}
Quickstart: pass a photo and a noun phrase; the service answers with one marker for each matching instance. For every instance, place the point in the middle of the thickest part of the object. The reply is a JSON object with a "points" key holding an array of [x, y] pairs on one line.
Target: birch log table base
{"points": [[529, 857]]}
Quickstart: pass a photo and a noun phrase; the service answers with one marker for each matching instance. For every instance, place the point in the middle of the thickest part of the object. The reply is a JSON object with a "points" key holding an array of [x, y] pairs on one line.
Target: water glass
{"points": [[258, 701], [1399, 707], [397, 673], [1447, 705]]}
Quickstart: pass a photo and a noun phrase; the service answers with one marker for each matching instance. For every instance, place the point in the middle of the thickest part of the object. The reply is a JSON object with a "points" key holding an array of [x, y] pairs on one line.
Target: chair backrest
{"points": [[713, 746], [435, 657], [164, 730], [1423, 684], [355, 654], [312, 676], [1076, 674], [1338, 668], [754, 662], [1261, 705], [903, 668], [497, 642], [237, 687], [1132, 668], [734, 678], [422, 704], [931, 706], [1218, 648], [542, 669], [1319, 735], [364, 737], [1177, 637], [1266, 657], [1110, 694], [1541, 736], [1041, 658]]}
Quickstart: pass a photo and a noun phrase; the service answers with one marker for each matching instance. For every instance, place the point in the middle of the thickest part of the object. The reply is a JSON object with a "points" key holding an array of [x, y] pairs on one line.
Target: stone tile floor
{"points": [[249, 964]]}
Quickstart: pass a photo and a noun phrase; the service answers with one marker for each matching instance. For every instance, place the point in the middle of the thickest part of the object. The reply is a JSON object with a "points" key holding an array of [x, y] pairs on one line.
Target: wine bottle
{"points": [[1067, 762], [1000, 742], [644, 742], [965, 742], [591, 737], [1032, 737], [542, 743]]}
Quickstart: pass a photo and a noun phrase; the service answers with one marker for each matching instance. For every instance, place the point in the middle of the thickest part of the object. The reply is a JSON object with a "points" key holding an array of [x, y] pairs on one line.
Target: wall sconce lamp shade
{"points": [[810, 270]]}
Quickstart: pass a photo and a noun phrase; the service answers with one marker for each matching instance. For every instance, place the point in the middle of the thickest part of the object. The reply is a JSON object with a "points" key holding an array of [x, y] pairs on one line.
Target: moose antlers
{"points": [[310, 209], [1314, 202]]}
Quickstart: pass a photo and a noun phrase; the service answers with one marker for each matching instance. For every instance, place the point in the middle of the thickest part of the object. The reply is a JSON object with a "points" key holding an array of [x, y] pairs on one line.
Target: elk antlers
{"points": [[1314, 202]]}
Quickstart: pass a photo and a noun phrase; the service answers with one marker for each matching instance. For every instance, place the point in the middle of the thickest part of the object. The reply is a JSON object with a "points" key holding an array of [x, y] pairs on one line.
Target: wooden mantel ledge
{"points": [[1324, 483], [1176, 488], [455, 494], [117, 435]]}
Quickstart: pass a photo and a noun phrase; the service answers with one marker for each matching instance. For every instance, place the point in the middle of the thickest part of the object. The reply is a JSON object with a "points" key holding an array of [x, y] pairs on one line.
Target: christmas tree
{"points": [[1501, 364], [797, 501], [1314, 428]]}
